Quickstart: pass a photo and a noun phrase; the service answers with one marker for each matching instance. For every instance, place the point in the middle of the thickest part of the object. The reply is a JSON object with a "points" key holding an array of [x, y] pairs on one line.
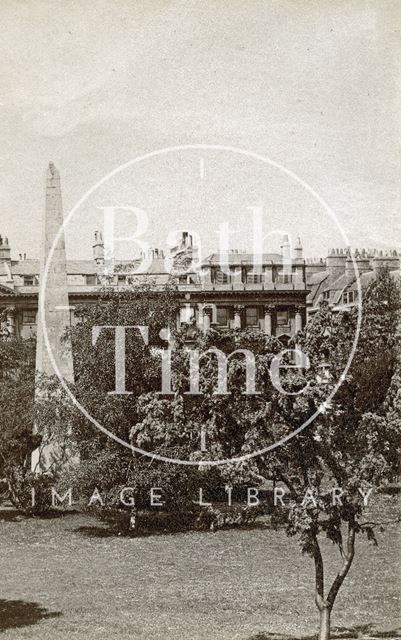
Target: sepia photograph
{"points": [[200, 320]]}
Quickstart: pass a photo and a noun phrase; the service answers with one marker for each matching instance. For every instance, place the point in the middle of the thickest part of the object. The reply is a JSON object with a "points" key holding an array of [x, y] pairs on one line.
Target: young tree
{"points": [[354, 445]]}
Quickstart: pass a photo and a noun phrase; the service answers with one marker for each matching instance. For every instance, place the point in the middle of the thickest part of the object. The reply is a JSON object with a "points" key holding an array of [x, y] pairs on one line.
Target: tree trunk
{"points": [[322, 604], [324, 633], [325, 605]]}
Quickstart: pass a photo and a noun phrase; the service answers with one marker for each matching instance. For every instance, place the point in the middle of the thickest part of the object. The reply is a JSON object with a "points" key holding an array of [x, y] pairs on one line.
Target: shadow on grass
{"points": [[106, 531], [52, 514], [18, 613], [10, 515], [338, 633], [117, 522], [96, 532]]}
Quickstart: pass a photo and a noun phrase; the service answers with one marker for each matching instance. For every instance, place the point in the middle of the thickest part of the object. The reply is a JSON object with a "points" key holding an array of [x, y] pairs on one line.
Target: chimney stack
{"points": [[185, 246], [98, 248], [335, 263], [5, 250], [285, 249], [362, 264], [389, 259], [298, 251]]}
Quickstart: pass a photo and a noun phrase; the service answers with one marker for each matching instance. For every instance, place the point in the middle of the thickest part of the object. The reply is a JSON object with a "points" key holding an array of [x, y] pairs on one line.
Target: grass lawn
{"points": [[66, 580]]}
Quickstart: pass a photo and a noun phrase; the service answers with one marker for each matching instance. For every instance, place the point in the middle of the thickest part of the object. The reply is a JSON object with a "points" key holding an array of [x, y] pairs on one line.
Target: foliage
{"points": [[105, 463], [353, 444], [26, 424], [17, 372], [176, 421]]}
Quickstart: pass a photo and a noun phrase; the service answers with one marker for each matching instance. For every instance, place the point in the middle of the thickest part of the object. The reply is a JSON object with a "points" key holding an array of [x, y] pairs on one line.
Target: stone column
{"points": [[207, 318], [298, 319], [268, 326], [214, 314], [186, 313], [238, 310], [11, 321], [200, 315]]}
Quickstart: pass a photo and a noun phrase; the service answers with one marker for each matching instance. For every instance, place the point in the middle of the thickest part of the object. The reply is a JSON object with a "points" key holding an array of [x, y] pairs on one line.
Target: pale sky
{"points": [[312, 84]]}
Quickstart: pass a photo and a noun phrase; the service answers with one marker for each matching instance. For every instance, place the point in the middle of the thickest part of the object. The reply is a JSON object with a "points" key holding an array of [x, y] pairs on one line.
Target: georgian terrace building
{"points": [[272, 299]]}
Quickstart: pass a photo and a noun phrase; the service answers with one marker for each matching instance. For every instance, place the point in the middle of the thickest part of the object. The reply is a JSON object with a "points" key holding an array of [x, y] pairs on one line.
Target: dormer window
{"points": [[253, 278], [30, 281], [349, 296], [220, 277], [283, 277], [91, 280]]}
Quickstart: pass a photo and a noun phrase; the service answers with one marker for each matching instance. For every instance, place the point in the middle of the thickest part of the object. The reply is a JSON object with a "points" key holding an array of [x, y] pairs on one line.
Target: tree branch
{"points": [[348, 558], [285, 480]]}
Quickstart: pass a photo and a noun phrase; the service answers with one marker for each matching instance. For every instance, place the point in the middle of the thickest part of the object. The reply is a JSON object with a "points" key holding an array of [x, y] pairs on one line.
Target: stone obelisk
{"points": [[56, 317]]}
